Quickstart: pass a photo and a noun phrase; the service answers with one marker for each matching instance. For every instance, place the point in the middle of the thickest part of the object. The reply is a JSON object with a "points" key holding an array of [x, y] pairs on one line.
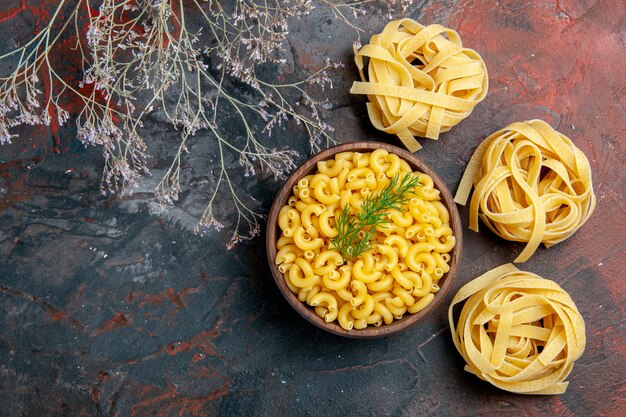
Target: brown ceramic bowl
{"points": [[273, 232]]}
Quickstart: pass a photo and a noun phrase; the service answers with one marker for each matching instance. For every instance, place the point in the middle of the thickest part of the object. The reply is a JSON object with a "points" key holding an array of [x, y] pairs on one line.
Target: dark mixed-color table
{"points": [[111, 307]]}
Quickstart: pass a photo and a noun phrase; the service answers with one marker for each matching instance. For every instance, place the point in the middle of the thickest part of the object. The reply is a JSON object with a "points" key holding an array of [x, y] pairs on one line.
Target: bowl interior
{"points": [[273, 232]]}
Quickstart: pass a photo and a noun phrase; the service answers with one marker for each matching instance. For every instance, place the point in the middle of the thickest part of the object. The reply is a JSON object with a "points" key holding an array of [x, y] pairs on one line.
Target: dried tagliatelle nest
{"points": [[532, 184], [420, 80], [518, 331]]}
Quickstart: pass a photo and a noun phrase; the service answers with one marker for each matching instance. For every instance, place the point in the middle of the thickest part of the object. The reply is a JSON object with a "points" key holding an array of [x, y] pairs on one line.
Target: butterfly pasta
{"points": [[531, 185], [420, 80], [518, 331]]}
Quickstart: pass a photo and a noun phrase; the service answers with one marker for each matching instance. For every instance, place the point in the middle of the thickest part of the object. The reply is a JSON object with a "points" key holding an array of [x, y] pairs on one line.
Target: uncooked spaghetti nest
{"points": [[518, 331], [532, 184], [420, 80]]}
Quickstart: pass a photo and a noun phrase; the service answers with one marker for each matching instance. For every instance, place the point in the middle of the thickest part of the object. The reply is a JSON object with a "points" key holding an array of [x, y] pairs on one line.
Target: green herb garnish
{"points": [[354, 232]]}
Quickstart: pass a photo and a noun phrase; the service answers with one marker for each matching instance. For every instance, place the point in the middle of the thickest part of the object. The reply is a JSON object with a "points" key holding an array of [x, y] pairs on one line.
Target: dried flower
{"points": [[139, 56]]}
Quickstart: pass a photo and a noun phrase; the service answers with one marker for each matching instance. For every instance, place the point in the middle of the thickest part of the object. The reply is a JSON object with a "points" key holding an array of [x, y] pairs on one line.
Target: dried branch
{"points": [[139, 56]]}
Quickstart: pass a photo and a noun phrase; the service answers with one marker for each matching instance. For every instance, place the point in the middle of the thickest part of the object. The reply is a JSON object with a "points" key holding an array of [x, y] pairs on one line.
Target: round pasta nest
{"points": [[421, 80], [518, 331], [532, 184]]}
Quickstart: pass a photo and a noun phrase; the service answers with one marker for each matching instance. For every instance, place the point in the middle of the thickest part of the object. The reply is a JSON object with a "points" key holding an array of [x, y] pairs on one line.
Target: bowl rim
{"points": [[272, 234]]}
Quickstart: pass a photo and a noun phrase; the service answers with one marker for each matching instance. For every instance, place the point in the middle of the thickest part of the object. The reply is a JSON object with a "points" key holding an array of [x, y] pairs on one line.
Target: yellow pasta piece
{"points": [[390, 257], [384, 312], [287, 254], [322, 196], [365, 309], [532, 185], [360, 324], [378, 162], [383, 284], [331, 168], [307, 212], [518, 331], [395, 303], [419, 82], [421, 304], [301, 275], [367, 276], [304, 241], [336, 281], [343, 318]]}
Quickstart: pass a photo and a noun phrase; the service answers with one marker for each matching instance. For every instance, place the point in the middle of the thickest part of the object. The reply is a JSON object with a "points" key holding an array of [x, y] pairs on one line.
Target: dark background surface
{"points": [[110, 307]]}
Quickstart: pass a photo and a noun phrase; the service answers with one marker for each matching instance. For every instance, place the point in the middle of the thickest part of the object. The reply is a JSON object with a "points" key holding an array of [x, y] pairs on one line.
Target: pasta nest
{"points": [[531, 185], [518, 331], [421, 80]]}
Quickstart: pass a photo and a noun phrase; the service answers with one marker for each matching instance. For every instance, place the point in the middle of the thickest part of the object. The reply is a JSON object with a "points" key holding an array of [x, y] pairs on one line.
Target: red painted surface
{"points": [[171, 403], [117, 321], [171, 295], [53, 312], [167, 329], [11, 13], [65, 59], [14, 175]]}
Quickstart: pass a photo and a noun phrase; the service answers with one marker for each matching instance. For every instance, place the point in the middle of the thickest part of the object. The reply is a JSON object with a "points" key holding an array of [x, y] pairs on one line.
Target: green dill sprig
{"points": [[354, 232]]}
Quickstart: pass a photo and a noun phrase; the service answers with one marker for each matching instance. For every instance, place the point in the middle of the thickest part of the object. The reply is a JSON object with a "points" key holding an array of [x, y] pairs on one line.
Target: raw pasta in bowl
{"points": [[362, 239]]}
